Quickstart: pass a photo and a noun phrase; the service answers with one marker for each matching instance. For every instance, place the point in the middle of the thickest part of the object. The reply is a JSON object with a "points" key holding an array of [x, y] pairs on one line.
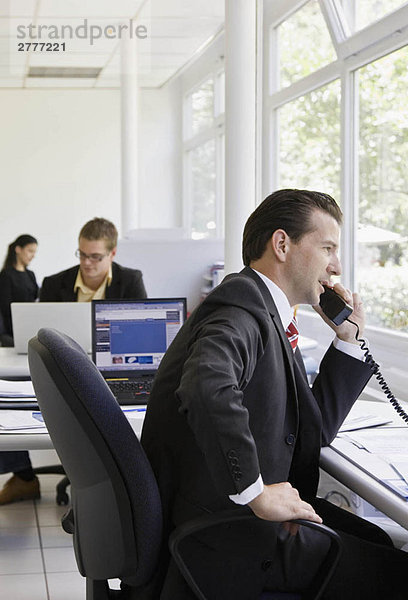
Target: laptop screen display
{"points": [[133, 335]]}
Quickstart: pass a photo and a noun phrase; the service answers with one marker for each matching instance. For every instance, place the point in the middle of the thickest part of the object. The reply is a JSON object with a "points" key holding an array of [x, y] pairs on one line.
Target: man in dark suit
{"points": [[97, 276], [232, 420]]}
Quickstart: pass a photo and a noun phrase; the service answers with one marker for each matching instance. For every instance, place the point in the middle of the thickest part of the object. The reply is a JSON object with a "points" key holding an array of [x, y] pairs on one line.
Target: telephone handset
{"points": [[334, 307], [339, 311]]}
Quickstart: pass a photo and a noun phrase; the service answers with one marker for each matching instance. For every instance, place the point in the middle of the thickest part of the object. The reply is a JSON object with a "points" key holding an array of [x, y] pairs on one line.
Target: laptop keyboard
{"points": [[131, 392]]}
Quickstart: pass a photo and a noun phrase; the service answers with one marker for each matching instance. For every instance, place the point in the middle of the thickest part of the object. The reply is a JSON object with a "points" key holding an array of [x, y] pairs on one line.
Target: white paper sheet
{"points": [[16, 389]]}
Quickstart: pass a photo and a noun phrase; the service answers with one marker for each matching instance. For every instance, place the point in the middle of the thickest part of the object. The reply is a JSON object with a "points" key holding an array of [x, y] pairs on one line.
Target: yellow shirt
{"points": [[85, 294]]}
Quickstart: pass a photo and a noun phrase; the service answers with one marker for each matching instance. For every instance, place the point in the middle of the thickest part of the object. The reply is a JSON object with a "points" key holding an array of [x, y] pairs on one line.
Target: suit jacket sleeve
{"points": [[340, 382], [221, 361]]}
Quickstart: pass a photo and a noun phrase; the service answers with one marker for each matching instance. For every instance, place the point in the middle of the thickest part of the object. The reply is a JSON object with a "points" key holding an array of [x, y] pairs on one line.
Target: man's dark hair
{"points": [[100, 229], [289, 210]]}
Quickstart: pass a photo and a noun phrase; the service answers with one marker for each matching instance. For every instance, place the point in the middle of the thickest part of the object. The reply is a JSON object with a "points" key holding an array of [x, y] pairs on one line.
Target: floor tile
{"points": [[59, 560], [55, 537], [48, 483], [22, 515], [50, 515], [13, 562], [15, 538], [66, 586], [23, 587]]}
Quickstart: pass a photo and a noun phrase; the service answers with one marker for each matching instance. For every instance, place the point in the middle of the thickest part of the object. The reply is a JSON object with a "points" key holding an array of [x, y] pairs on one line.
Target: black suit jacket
{"points": [[230, 401], [126, 283]]}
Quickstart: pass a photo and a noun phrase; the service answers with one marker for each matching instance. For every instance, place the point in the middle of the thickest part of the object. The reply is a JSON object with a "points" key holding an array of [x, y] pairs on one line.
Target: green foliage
{"points": [[310, 157], [385, 294], [304, 44], [310, 141]]}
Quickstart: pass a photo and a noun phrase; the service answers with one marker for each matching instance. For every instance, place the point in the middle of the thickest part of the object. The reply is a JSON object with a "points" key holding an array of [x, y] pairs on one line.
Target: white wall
{"points": [[160, 166], [60, 166], [172, 267]]}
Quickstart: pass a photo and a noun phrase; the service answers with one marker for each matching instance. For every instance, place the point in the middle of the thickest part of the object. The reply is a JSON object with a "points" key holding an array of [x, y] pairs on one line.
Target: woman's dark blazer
{"points": [[15, 286]]}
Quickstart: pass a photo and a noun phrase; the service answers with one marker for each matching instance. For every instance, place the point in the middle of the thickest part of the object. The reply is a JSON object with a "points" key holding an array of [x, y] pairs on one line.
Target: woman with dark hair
{"points": [[17, 284]]}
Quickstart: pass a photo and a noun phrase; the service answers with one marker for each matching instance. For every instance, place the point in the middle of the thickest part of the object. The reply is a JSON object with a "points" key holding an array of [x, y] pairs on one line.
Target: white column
{"points": [[129, 134], [240, 124]]}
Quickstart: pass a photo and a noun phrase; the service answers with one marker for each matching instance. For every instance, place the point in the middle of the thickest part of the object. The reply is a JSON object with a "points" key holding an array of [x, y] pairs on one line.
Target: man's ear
{"points": [[280, 243], [113, 252]]}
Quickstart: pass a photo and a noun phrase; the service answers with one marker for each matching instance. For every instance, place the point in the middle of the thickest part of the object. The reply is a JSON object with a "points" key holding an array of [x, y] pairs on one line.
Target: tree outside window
{"points": [[383, 191]]}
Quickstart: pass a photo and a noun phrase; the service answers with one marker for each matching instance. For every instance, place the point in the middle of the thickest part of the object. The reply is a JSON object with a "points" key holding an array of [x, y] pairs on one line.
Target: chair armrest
{"points": [[245, 514]]}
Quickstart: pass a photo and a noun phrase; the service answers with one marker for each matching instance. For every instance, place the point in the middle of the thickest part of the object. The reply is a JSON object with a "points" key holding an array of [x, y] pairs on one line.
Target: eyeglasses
{"points": [[92, 257]]}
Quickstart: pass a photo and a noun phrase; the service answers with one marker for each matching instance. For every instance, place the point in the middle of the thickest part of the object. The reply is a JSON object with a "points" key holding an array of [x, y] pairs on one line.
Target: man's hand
{"points": [[281, 502], [346, 331]]}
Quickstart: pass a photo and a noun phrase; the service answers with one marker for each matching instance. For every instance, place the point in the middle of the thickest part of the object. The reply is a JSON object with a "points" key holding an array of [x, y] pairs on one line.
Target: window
{"points": [[204, 157], [304, 44], [361, 13], [309, 141], [335, 99], [383, 198], [203, 188], [202, 107]]}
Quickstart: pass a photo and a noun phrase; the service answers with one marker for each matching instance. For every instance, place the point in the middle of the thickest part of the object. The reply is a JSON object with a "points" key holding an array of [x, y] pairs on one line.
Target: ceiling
{"points": [[171, 33]]}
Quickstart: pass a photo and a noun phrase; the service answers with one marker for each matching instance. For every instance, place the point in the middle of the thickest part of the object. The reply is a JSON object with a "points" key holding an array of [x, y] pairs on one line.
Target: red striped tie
{"points": [[293, 333]]}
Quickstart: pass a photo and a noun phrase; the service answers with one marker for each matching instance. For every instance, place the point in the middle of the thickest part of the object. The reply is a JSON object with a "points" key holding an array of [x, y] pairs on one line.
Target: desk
{"points": [[13, 364], [341, 460], [337, 460], [40, 439], [357, 480]]}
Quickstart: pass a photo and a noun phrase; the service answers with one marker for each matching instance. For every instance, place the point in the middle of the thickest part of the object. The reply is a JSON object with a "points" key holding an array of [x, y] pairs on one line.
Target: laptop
{"points": [[130, 338], [72, 318]]}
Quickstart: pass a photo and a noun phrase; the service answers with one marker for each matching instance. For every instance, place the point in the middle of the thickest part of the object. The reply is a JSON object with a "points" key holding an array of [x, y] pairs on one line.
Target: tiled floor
{"points": [[36, 556]]}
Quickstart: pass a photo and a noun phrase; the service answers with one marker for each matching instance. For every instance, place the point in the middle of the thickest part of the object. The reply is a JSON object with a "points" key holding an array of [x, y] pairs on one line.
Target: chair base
{"points": [[62, 497]]}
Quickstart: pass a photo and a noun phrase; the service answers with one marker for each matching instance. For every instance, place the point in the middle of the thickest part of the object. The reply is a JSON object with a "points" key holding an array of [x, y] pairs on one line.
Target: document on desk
{"points": [[20, 420], [383, 442], [16, 389], [382, 453], [365, 414]]}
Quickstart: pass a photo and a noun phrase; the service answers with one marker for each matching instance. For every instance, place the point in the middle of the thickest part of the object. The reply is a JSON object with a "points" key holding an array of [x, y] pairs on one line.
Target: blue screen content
{"points": [[138, 337]]}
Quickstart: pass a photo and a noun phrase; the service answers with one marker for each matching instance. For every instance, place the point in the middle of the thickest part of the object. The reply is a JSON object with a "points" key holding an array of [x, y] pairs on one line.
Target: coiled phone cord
{"points": [[375, 367]]}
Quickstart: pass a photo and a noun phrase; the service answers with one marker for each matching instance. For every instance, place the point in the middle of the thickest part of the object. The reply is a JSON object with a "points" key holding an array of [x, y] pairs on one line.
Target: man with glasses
{"points": [[97, 276]]}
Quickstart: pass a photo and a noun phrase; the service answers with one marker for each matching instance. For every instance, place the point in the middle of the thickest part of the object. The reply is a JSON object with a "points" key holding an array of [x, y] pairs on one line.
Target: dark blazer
{"points": [[126, 283], [231, 400], [15, 286]]}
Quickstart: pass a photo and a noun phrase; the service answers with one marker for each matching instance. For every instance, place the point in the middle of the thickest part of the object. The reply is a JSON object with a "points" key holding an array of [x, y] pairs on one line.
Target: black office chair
{"points": [[116, 510]]}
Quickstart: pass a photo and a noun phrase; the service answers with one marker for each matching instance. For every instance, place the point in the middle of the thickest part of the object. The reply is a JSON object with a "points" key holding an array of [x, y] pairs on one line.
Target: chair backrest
{"points": [[115, 499]]}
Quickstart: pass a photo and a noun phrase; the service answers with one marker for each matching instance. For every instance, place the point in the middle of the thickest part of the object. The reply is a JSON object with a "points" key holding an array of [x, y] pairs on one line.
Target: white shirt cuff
{"points": [[249, 493], [349, 348]]}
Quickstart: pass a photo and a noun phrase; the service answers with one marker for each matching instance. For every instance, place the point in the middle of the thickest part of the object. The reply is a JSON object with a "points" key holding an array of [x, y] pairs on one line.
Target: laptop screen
{"points": [[131, 336]]}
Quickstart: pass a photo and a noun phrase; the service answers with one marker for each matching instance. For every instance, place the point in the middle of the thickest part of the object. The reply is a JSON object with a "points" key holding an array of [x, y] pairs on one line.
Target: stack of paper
{"points": [[16, 389], [386, 456]]}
